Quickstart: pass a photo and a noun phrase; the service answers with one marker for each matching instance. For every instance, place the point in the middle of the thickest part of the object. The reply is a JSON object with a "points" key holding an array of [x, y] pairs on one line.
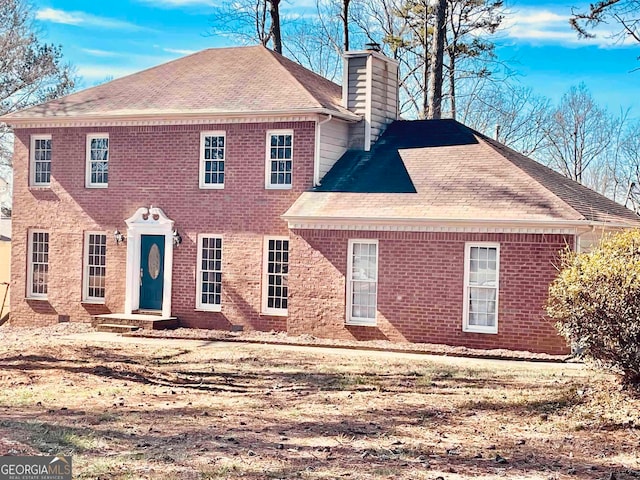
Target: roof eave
{"points": [[409, 222], [17, 121]]}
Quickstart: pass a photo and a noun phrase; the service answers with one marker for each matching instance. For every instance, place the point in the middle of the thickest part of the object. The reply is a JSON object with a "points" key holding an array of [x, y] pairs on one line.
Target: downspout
{"points": [[316, 163]]}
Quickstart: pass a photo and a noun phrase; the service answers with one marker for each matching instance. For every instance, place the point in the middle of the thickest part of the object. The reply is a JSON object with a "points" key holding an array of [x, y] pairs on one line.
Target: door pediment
{"points": [[149, 217]]}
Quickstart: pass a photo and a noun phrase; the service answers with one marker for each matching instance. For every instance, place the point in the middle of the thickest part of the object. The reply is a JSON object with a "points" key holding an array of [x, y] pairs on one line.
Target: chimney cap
{"points": [[373, 46]]}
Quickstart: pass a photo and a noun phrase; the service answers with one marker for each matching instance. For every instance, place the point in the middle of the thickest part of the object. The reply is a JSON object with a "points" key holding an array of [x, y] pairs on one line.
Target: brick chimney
{"points": [[370, 89]]}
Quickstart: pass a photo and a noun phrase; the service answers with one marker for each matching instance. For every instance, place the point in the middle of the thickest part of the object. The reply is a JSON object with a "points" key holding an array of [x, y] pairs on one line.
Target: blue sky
{"points": [[113, 38]]}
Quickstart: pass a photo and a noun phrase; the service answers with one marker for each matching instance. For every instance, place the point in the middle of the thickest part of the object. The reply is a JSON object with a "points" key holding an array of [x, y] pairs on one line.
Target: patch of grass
{"points": [[103, 469], [53, 439]]}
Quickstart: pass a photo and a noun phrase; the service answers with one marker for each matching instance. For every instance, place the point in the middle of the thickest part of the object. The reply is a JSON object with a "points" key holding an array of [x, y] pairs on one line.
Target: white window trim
{"points": [[205, 307], [32, 160], [87, 180], [278, 312], [267, 164], [212, 133], [30, 293], [85, 270], [357, 321], [465, 306]]}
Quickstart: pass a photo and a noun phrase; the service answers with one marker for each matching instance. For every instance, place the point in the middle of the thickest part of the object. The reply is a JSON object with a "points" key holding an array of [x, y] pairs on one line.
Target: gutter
{"points": [[170, 117], [583, 225]]}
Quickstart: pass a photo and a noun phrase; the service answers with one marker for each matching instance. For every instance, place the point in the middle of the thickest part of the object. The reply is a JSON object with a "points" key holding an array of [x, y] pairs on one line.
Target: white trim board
{"points": [[147, 221]]}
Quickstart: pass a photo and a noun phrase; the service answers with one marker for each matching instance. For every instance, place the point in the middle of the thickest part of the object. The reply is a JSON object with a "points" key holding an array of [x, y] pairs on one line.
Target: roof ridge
{"points": [[488, 143], [274, 56]]}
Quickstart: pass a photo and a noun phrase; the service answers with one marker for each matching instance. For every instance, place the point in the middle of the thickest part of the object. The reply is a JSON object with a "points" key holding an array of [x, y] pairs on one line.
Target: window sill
{"points": [[216, 186], [40, 187], [275, 313], [490, 331], [278, 187], [93, 302], [42, 299], [101, 185], [217, 308], [361, 323]]}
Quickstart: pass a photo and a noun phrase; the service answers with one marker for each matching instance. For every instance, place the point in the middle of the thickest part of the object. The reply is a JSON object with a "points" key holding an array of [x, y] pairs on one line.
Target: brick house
{"points": [[235, 189]]}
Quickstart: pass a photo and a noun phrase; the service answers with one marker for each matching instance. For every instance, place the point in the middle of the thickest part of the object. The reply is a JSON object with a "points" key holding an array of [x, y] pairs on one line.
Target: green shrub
{"points": [[596, 302]]}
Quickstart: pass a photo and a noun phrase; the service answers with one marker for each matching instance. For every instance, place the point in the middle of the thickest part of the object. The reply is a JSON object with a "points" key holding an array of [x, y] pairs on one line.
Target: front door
{"points": [[151, 271]]}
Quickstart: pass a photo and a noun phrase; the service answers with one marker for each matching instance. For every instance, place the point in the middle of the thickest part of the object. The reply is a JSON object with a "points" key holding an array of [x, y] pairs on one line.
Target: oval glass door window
{"points": [[154, 261]]}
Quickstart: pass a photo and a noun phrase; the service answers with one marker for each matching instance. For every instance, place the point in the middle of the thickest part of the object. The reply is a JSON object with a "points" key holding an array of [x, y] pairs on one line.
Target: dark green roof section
{"points": [[381, 170]]}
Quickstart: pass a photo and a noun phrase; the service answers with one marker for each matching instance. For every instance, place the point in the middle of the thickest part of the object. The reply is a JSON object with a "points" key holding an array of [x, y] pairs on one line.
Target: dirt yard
{"points": [[179, 409]]}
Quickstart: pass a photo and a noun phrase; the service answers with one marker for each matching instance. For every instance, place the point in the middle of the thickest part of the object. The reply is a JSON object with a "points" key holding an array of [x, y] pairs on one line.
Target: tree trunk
{"points": [[345, 23], [435, 83], [425, 71], [274, 10], [452, 79]]}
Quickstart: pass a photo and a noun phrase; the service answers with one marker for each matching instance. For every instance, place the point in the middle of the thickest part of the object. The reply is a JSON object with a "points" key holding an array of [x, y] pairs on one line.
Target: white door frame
{"points": [[147, 221]]}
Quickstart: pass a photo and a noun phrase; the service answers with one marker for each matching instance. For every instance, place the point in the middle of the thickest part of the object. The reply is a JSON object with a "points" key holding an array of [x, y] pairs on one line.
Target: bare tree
{"points": [[626, 13], [510, 113], [578, 133], [249, 21], [437, 58], [31, 72], [274, 33]]}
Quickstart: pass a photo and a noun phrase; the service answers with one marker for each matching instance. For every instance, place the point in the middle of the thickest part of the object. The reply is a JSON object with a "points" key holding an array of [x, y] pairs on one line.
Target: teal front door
{"points": [[151, 271]]}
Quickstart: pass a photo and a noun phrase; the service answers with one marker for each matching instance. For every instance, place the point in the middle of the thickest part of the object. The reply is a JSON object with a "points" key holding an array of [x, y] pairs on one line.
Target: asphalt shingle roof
{"points": [[443, 170], [240, 80]]}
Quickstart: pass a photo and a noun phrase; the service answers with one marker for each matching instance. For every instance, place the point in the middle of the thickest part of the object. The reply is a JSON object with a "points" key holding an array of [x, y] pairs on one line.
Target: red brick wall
{"points": [[154, 166], [420, 290]]}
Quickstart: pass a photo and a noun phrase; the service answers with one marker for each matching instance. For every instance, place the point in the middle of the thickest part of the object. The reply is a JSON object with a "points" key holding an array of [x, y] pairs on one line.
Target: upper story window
{"points": [[279, 166], [362, 282], [40, 167], [97, 160], [212, 153], [481, 287]]}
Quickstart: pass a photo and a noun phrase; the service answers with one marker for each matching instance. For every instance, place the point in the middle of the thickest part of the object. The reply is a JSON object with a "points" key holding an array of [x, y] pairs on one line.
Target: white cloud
{"points": [[82, 19], [181, 3], [541, 25], [93, 73], [100, 53], [179, 51]]}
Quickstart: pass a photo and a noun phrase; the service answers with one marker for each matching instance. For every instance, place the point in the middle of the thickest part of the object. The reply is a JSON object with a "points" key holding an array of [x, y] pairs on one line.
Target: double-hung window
{"points": [[97, 169], [38, 268], [209, 273], [275, 290], [362, 282], [212, 154], [481, 287], [95, 267], [279, 166], [40, 156]]}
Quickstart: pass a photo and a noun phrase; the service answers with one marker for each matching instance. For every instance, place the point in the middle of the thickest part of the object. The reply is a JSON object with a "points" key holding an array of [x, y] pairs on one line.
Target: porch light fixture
{"points": [[177, 239], [119, 238]]}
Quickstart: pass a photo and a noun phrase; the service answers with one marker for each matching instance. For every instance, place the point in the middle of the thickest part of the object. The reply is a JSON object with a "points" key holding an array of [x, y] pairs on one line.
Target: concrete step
{"points": [[148, 322], [115, 328]]}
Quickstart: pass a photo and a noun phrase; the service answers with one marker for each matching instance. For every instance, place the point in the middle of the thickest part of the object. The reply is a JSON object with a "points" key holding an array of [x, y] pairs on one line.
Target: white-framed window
{"points": [[212, 154], [275, 289], [362, 282], [209, 273], [279, 166], [481, 287], [40, 160], [95, 267], [38, 264], [97, 169]]}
